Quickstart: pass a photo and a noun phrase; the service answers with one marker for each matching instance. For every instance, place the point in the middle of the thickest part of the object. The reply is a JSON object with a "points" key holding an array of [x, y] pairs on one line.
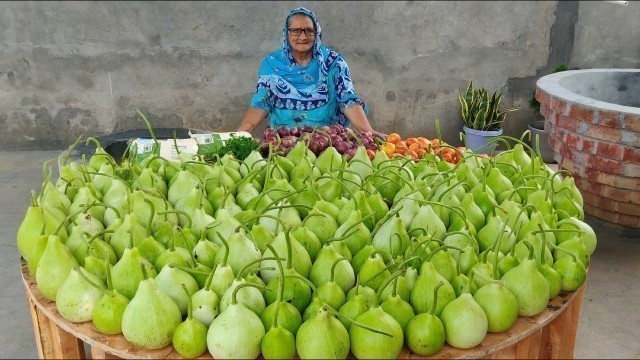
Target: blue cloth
{"points": [[315, 94]]}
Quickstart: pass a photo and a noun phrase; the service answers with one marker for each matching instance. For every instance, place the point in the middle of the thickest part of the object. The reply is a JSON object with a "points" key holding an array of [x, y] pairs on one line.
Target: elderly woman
{"points": [[305, 83]]}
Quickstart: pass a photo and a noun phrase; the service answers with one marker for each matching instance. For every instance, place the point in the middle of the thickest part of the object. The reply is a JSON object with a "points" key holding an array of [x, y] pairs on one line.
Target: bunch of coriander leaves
{"points": [[239, 146]]}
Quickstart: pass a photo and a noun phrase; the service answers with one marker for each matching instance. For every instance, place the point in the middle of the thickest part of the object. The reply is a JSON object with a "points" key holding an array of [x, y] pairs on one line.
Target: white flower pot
{"points": [[477, 140]]}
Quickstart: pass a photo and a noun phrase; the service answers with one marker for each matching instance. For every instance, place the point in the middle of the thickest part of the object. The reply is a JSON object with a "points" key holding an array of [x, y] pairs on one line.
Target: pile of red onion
{"points": [[344, 140]]}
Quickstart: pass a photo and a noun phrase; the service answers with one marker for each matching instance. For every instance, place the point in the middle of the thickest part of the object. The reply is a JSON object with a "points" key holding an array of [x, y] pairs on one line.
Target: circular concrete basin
{"points": [[593, 120]]}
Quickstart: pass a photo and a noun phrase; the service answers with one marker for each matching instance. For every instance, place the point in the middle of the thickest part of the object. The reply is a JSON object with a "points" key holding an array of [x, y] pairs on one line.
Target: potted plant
{"points": [[536, 127], [482, 118]]}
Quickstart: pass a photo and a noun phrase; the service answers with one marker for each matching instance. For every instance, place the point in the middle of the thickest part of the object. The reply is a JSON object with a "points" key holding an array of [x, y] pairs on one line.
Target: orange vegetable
{"points": [[411, 141], [388, 148], [447, 157], [394, 138], [414, 146], [413, 154], [371, 154]]}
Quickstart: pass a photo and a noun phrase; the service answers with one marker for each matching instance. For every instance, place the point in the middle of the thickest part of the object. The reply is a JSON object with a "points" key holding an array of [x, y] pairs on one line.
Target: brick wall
{"points": [[602, 151]]}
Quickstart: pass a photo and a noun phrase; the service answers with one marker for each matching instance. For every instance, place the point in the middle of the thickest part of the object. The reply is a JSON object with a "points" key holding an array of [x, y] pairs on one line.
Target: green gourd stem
{"points": [[34, 199], [400, 167], [208, 227], [579, 231], [246, 230], [353, 322], [377, 174], [207, 284], [107, 269], [357, 285], [333, 267], [517, 169], [417, 189], [184, 287], [407, 261], [303, 279], [538, 152], [456, 208], [339, 180], [427, 241], [555, 247], [485, 171], [421, 229], [250, 175], [247, 266], [435, 298], [348, 231], [108, 231], [285, 206], [46, 176], [530, 247], [543, 254], [84, 166], [226, 248], [387, 267], [397, 235], [280, 284], [451, 187], [287, 240], [109, 158], [351, 134], [438, 133], [484, 277], [153, 136], [496, 245], [382, 254], [274, 202], [95, 141], [523, 143], [384, 285], [362, 162], [174, 211], [44, 220], [77, 268], [175, 145], [525, 133], [304, 222], [443, 247], [253, 164], [187, 269], [515, 190], [234, 299], [500, 139], [386, 218], [464, 234], [97, 203], [69, 217], [280, 222], [73, 146], [265, 192], [565, 189], [153, 211]]}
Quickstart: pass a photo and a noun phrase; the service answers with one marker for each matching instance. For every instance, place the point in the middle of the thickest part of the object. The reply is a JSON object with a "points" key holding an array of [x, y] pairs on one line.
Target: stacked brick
{"points": [[602, 150]]}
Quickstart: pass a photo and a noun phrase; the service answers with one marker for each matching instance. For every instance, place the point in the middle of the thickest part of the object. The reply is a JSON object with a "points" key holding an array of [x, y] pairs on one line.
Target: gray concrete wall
{"points": [[71, 68]]}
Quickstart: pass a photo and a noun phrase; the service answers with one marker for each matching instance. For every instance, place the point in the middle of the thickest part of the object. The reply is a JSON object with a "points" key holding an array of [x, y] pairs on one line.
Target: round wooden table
{"points": [[549, 335]]}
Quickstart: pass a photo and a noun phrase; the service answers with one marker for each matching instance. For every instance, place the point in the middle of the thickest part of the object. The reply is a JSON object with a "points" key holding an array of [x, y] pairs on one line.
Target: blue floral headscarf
{"points": [[293, 86]]}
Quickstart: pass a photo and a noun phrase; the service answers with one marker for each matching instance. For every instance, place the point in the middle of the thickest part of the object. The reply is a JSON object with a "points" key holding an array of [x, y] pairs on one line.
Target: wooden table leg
{"points": [[51, 340]]}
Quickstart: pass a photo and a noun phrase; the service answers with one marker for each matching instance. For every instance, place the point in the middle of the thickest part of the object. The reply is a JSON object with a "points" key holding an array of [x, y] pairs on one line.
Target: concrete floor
{"points": [[609, 324]]}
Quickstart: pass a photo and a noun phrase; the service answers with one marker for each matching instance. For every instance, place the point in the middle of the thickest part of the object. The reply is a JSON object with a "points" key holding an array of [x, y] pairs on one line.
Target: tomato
{"points": [[414, 146], [424, 143], [371, 154], [447, 157], [413, 154], [421, 153], [394, 138], [388, 148], [411, 141]]}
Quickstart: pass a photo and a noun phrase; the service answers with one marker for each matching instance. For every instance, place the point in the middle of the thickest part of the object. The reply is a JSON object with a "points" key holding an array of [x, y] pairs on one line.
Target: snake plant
{"points": [[481, 111]]}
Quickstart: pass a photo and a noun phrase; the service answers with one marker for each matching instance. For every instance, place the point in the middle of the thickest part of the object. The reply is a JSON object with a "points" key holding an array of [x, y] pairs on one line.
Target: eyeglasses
{"points": [[310, 32]]}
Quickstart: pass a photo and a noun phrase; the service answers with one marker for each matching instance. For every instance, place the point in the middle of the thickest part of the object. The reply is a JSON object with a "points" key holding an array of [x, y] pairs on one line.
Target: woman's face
{"points": [[304, 42]]}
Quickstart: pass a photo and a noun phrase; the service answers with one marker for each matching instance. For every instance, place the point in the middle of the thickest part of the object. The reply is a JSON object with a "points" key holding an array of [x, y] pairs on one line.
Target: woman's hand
{"points": [[358, 118], [252, 118]]}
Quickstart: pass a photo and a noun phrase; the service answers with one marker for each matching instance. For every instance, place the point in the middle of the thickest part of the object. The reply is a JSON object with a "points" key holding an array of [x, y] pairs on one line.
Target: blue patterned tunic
{"points": [[315, 94]]}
